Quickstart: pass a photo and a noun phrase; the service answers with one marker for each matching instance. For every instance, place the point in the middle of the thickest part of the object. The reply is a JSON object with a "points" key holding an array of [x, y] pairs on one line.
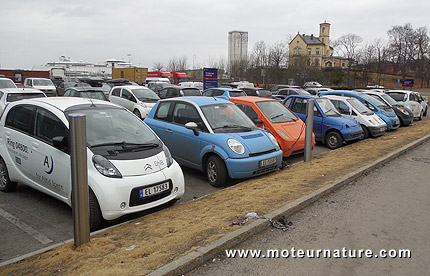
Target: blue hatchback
{"points": [[330, 127], [224, 93], [385, 112], [213, 135]]}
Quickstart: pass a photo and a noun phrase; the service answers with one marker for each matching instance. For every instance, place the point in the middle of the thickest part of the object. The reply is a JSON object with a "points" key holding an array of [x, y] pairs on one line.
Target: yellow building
{"points": [[315, 51]]}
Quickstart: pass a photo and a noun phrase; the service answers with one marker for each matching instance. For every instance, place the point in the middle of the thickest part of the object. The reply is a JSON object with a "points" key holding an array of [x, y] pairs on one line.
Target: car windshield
{"points": [[236, 93], [145, 94], [191, 92], [398, 96], [265, 93], [327, 107], [227, 118], [7, 83], [357, 105], [98, 95], [374, 101], [115, 127], [42, 82], [388, 99], [276, 112], [12, 97]]}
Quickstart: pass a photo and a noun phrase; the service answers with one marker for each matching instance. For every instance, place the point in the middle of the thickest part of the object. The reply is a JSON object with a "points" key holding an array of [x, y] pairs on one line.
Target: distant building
{"points": [[315, 51], [237, 46]]}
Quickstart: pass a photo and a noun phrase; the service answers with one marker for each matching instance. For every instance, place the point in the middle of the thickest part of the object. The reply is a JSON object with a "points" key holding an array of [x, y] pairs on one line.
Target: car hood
{"points": [[141, 166], [255, 141], [292, 129], [49, 87]]}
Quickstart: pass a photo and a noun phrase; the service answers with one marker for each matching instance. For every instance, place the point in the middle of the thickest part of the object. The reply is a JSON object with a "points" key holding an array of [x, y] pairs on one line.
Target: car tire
{"points": [[365, 132], [137, 113], [216, 171], [421, 116], [425, 113], [333, 140], [96, 218], [5, 184]]}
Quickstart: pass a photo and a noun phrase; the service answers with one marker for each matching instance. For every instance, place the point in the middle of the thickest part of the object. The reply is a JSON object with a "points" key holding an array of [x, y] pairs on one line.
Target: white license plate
{"points": [[267, 162], [153, 190]]}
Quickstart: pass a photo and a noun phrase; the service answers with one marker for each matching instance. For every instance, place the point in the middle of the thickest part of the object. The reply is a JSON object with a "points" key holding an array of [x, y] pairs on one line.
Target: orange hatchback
{"points": [[277, 119]]}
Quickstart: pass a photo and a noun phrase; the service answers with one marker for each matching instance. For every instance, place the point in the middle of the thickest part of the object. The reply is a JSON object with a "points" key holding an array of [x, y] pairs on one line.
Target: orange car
{"points": [[273, 116]]}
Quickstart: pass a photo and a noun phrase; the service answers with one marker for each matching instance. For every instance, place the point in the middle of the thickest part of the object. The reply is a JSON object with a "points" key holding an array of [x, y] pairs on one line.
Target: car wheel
{"points": [[5, 184], [95, 213], [137, 113], [365, 132], [421, 116], [425, 113], [333, 140], [216, 171]]}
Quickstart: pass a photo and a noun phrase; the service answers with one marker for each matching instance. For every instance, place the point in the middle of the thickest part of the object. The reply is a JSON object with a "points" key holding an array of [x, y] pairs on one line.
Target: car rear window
{"points": [[19, 96], [191, 92], [237, 93], [400, 97]]}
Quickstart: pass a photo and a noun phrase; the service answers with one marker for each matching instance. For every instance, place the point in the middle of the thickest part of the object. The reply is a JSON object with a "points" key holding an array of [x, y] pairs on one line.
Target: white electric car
{"points": [[129, 167], [371, 123]]}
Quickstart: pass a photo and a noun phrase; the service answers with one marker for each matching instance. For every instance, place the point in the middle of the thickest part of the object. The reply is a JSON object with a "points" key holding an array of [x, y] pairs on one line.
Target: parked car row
{"points": [[134, 164]]}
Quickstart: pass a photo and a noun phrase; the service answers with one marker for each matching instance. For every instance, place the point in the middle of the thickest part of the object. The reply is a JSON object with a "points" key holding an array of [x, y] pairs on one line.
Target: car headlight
{"points": [[169, 158], [236, 146], [403, 111], [284, 134], [105, 167], [273, 139], [384, 113]]}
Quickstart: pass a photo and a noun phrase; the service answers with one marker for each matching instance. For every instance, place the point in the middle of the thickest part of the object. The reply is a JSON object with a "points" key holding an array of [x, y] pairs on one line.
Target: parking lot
{"points": [[31, 220]]}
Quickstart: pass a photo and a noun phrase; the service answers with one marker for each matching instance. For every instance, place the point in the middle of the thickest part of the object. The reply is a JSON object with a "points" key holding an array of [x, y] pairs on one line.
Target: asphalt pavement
{"points": [[386, 209]]}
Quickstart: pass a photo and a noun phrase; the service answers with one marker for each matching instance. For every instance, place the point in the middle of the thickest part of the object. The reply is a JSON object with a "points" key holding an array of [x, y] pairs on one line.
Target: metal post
{"points": [[78, 159], [309, 129]]}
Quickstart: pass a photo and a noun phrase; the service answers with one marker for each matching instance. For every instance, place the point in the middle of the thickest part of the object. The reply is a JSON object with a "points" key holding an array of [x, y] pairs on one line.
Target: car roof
{"points": [[200, 101], [85, 89], [132, 87], [337, 97], [252, 99], [227, 89], [63, 103], [374, 92]]}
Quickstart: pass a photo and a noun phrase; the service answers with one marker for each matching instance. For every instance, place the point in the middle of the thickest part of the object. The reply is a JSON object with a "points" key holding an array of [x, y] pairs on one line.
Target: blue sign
{"points": [[210, 78], [408, 82]]}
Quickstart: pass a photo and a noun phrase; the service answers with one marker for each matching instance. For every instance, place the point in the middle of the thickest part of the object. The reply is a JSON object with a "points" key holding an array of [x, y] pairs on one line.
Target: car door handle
{"points": [[169, 131], [35, 145]]}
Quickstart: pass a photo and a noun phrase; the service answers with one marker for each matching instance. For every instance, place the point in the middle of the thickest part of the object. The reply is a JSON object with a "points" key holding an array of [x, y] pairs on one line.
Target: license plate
{"points": [[267, 162], [153, 190]]}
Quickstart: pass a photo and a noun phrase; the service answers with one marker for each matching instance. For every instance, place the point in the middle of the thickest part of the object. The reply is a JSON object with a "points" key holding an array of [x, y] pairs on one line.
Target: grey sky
{"points": [[33, 33]]}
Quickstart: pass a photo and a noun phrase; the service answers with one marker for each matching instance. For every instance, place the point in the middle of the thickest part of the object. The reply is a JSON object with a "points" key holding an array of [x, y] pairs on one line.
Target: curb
{"points": [[205, 253]]}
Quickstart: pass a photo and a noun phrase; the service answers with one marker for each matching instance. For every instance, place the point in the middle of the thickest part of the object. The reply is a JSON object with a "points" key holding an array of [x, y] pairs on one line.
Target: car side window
{"points": [[171, 92], [126, 95], [116, 92], [163, 93], [48, 126], [184, 113], [21, 117], [341, 106], [299, 106], [287, 102], [208, 93], [248, 110], [163, 111]]}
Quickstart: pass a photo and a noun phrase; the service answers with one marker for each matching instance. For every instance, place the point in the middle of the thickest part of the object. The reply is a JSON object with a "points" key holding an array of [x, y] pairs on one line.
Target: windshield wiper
{"points": [[276, 116], [126, 145], [233, 126]]}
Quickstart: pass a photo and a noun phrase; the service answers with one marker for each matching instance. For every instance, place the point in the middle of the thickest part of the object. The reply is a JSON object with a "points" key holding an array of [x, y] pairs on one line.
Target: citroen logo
{"points": [[147, 167]]}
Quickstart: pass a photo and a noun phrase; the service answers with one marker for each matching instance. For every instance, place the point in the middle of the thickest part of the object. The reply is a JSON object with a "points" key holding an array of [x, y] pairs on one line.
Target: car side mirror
{"points": [[61, 143], [257, 121], [193, 126]]}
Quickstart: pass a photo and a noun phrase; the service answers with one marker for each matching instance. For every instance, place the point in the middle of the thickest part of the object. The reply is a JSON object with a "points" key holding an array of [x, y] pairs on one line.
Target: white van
{"points": [[371, 123], [149, 80], [42, 84], [129, 167]]}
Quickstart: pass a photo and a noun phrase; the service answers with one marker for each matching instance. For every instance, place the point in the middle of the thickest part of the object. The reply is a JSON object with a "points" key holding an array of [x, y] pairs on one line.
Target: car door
{"points": [[50, 166], [185, 145], [115, 96], [18, 128], [128, 99], [298, 106]]}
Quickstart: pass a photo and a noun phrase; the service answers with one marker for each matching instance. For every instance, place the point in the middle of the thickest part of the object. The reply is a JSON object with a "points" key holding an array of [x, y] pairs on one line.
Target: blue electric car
{"points": [[224, 93], [213, 135], [385, 112], [330, 127]]}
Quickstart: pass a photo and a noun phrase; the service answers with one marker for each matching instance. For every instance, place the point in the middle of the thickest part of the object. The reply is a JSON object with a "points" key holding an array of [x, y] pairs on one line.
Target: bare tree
{"points": [[158, 66], [347, 46], [278, 54], [259, 55], [178, 64]]}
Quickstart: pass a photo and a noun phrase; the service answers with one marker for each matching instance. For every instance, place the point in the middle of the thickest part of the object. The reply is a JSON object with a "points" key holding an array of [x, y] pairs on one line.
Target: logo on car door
{"points": [[49, 165]]}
